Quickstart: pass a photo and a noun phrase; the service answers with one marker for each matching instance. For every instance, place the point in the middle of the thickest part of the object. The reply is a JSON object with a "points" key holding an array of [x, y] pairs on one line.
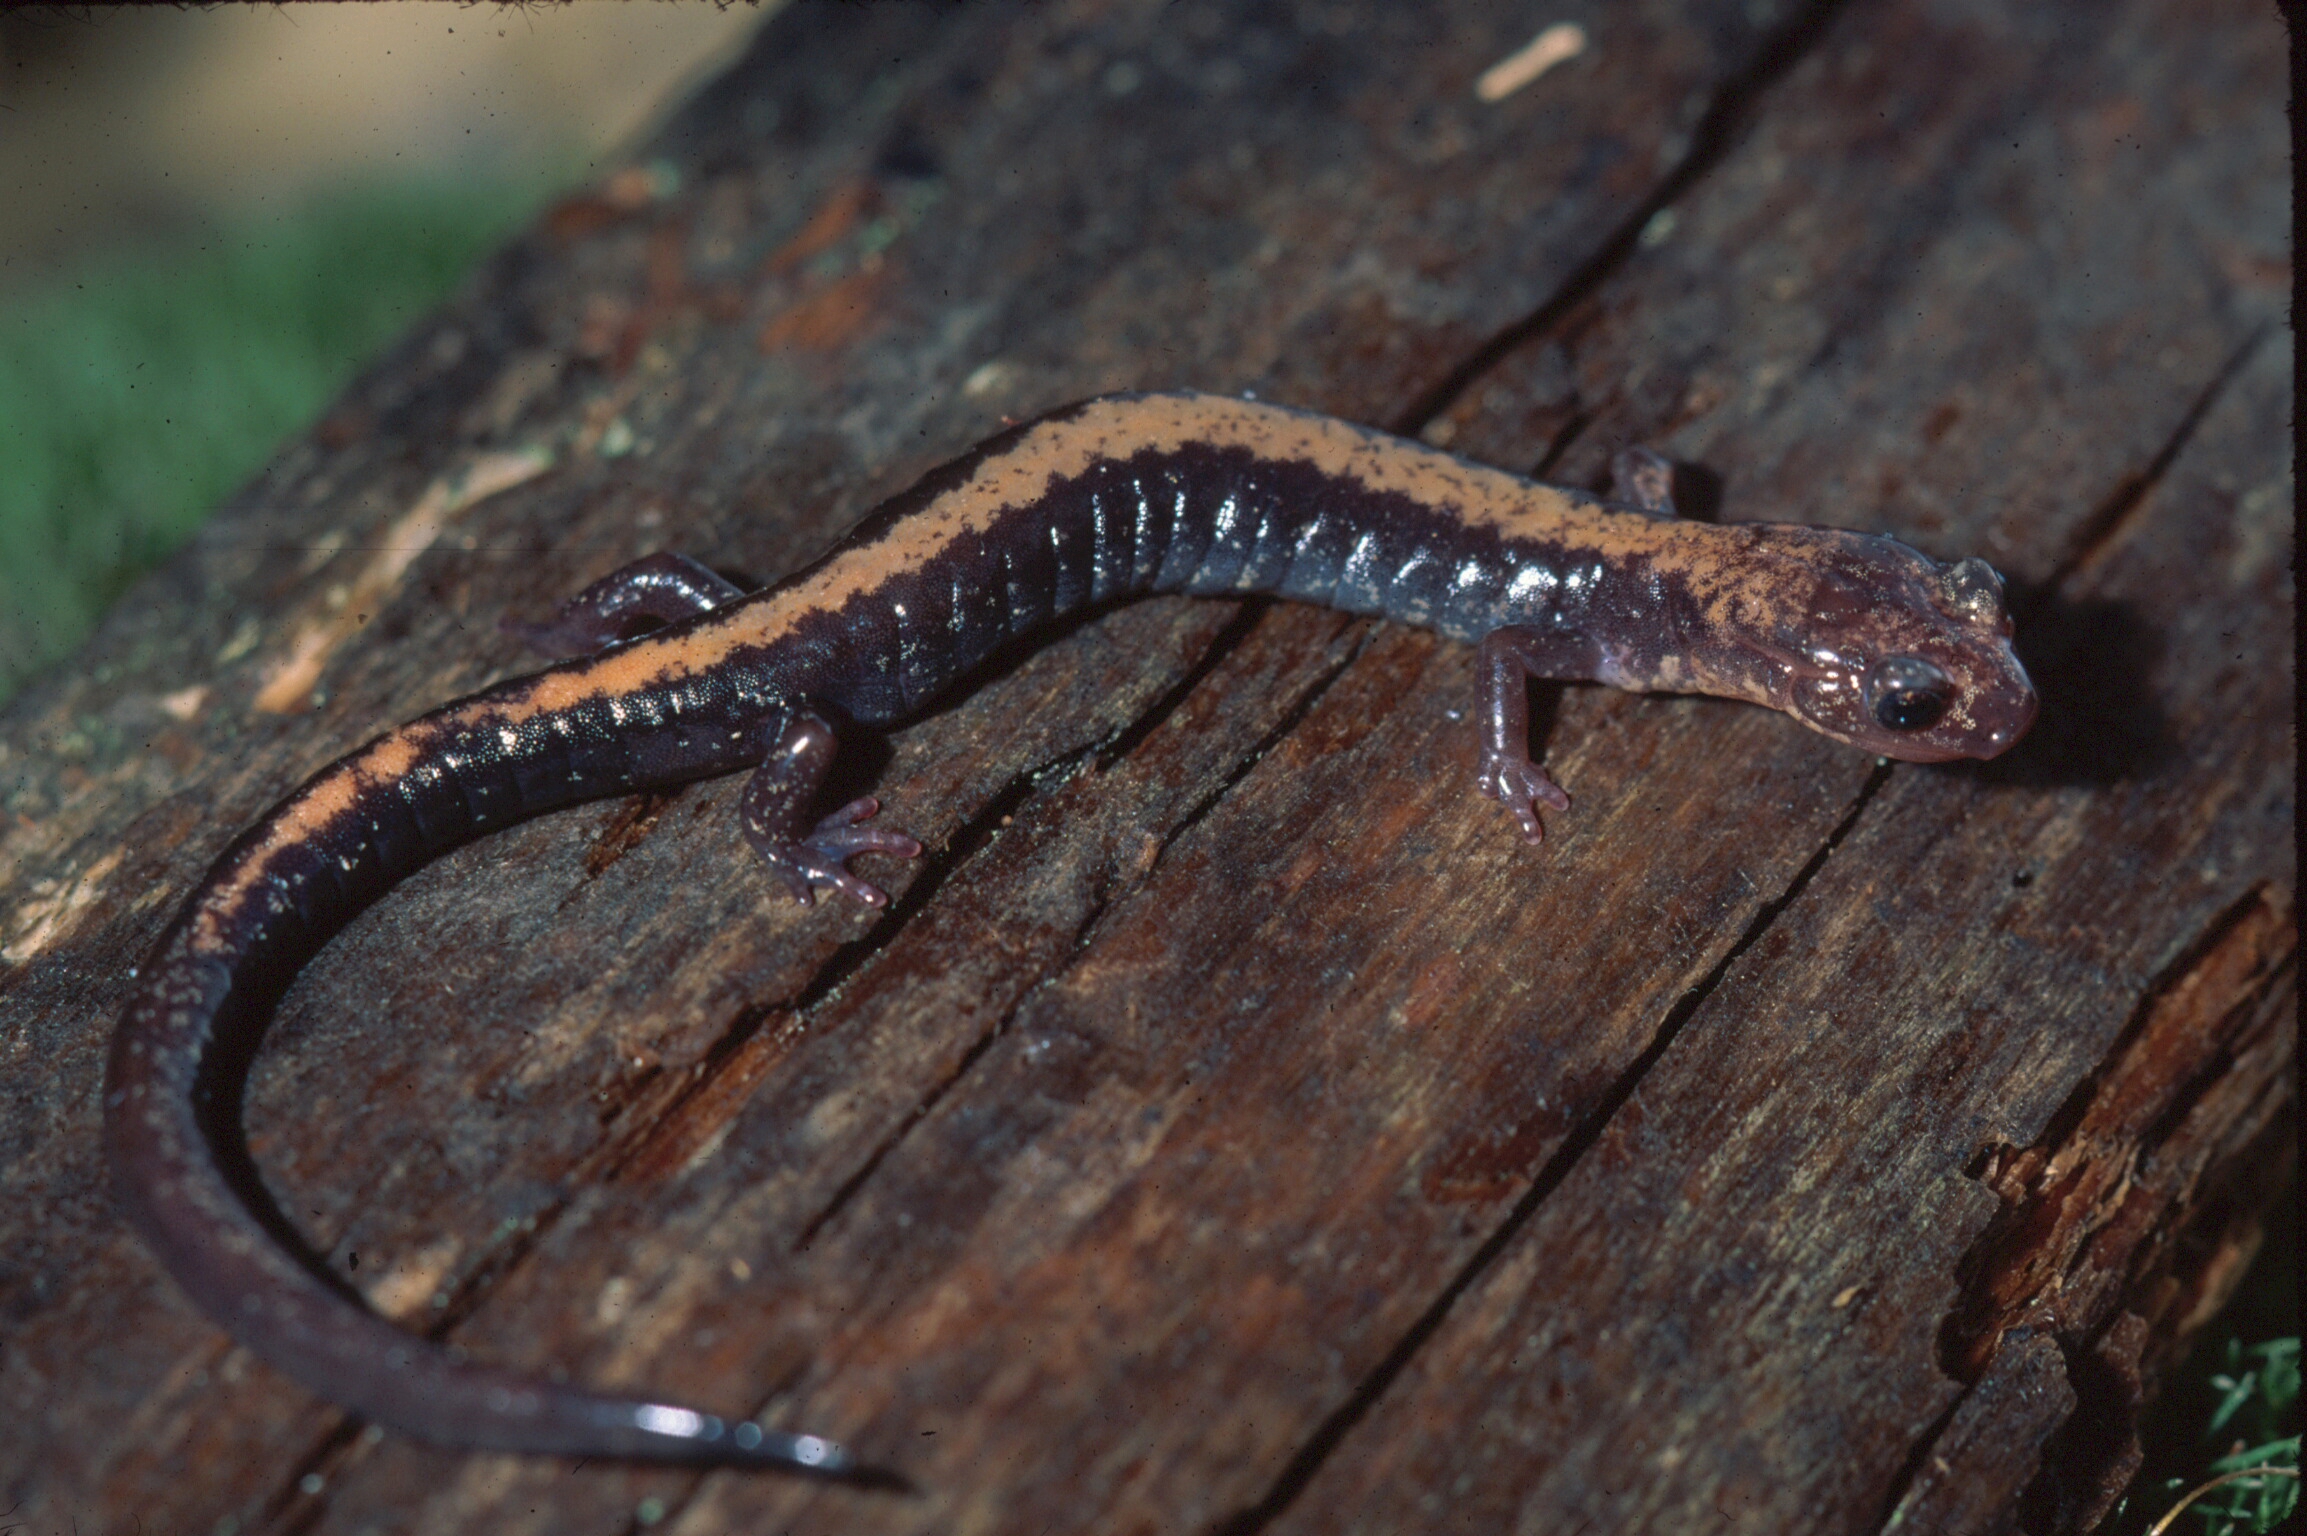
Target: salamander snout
{"points": [[1909, 658], [1925, 714]]}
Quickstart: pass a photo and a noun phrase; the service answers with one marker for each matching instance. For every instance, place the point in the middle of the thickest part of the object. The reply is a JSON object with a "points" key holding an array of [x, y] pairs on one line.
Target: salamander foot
{"points": [[822, 858], [1519, 784], [779, 795]]}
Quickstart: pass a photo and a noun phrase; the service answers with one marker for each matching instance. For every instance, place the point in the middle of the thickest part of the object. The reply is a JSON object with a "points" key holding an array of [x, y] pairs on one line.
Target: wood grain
{"points": [[1231, 1127]]}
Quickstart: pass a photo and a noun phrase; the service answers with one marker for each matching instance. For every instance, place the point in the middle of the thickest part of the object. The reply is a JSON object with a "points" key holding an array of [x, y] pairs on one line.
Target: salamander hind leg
{"points": [[662, 588], [775, 811]]}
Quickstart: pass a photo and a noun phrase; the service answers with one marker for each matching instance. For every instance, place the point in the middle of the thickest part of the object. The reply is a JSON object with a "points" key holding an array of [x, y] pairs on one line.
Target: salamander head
{"points": [[1900, 655]]}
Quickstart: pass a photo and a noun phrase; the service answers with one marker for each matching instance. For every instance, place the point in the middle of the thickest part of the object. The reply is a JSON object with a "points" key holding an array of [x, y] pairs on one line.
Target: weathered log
{"points": [[1232, 1126]]}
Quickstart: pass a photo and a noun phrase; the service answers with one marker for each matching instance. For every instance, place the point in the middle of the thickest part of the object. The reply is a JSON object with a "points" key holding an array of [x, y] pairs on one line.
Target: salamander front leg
{"points": [[1644, 481], [1506, 660], [776, 806], [664, 587]]}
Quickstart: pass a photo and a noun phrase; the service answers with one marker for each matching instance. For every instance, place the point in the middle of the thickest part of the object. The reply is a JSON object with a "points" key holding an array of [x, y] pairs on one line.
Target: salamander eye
{"points": [[1906, 693]]}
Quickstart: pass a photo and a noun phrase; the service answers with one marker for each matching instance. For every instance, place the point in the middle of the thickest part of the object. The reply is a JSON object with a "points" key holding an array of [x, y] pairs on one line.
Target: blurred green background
{"points": [[210, 220], [140, 389]]}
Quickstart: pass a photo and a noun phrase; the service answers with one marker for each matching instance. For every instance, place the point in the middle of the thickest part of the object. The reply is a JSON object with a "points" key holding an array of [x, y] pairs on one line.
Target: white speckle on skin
{"points": [[664, 1419]]}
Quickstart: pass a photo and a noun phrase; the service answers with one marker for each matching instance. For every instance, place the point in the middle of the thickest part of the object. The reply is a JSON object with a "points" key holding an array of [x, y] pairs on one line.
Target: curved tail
{"points": [[173, 1137]]}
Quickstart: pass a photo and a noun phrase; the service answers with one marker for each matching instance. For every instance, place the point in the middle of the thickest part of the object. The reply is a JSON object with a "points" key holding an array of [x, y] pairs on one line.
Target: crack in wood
{"points": [[918, 1112], [1563, 440], [290, 1509], [627, 830], [1918, 1461], [2037, 1263], [2118, 509], [668, 1124], [1710, 142], [1333, 1430], [1222, 646], [1957, 1475], [2059, 1193], [1228, 639], [1246, 764]]}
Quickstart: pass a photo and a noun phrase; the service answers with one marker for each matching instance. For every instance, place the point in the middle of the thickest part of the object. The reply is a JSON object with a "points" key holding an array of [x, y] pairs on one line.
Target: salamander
{"points": [[670, 673]]}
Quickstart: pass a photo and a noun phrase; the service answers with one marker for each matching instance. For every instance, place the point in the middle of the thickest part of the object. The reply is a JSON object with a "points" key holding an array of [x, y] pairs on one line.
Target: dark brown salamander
{"points": [[1856, 636]]}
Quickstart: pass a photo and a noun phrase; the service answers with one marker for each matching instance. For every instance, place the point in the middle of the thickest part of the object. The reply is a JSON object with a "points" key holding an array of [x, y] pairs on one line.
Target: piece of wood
{"points": [[1231, 1127]]}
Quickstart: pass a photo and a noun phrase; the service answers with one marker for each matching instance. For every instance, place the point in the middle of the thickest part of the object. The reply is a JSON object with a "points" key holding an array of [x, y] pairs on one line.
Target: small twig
{"points": [[2193, 1494]]}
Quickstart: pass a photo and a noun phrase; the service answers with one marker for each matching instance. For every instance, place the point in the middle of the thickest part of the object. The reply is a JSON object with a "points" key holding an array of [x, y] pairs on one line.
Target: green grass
{"points": [[140, 389], [2233, 1406], [2255, 1485]]}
